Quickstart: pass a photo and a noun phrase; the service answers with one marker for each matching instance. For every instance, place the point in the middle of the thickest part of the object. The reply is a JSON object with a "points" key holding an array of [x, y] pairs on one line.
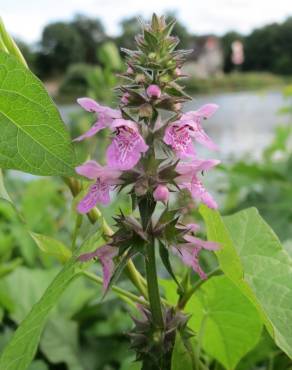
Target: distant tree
{"points": [[62, 45], [270, 48], [130, 27], [261, 48], [92, 33]]}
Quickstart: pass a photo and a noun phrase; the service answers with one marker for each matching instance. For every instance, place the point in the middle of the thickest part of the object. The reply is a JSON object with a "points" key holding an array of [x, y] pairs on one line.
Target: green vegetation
{"points": [[236, 81]]}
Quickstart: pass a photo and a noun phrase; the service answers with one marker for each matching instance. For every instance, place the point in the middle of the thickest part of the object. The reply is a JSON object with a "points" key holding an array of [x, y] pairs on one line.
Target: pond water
{"points": [[243, 125]]}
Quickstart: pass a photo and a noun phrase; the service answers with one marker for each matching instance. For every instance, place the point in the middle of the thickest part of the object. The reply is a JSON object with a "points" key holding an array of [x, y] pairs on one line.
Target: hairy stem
{"points": [[153, 290]]}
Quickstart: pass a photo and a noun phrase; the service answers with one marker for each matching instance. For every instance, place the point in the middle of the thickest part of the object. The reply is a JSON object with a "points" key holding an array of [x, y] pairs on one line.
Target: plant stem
{"points": [[78, 224], [116, 289], [136, 278], [153, 290]]}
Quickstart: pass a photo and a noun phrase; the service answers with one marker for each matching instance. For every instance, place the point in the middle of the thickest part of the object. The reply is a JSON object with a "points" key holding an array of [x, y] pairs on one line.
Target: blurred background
{"points": [[241, 60]]}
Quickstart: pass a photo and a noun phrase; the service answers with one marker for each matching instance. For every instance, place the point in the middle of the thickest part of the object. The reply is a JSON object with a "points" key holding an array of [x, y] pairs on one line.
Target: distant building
{"points": [[206, 59]]}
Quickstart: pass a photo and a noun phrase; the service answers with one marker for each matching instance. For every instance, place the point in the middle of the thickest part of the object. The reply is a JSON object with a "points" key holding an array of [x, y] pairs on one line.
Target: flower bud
{"points": [[161, 193], [130, 70], [153, 91], [177, 72]]}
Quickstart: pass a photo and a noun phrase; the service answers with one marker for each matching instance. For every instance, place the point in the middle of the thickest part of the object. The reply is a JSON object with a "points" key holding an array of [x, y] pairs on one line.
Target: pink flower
{"points": [[106, 116], [106, 254], [130, 70], [125, 150], [189, 252], [105, 178], [177, 71], [153, 91], [188, 179], [180, 134], [161, 193]]}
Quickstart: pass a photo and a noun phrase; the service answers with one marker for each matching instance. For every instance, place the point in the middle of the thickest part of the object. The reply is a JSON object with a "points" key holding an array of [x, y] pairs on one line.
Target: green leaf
{"points": [[38, 365], [227, 321], [59, 343], [33, 137], [52, 247], [253, 258], [3, 192], [21, 349], [32, 283], [181, 358]]}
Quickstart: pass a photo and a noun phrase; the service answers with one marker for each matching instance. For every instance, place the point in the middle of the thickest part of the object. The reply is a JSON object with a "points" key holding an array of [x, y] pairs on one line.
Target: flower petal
{"points": [[125, 150], [121, 158], [98, 193], [209, 245], [201, 136], [97, 126], [177, 135], [89, 104], [106, 255], [190, 257], [206, 110], [199, 192], [90, 169]]}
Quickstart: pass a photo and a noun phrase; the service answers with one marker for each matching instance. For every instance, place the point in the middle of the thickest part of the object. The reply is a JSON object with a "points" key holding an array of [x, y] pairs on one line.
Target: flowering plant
{"points": [[200, 320]]}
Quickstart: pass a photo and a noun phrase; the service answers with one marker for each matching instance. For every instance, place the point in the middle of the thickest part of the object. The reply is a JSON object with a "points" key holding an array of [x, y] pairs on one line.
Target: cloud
{"points": [[26, 19]]}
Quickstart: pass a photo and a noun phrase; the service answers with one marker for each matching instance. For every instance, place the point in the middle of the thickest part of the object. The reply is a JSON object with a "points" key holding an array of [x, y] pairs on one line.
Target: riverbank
{"points": [[235, 82]]}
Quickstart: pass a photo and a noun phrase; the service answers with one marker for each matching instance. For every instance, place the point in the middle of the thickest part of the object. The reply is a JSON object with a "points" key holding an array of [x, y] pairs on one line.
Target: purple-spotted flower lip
{"points": [[106, 116], [180, 134], [127, 146], [105, 254]]}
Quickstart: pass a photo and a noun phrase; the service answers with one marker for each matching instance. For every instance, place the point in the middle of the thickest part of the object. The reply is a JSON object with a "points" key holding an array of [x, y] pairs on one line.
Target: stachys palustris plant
{"points": [[152, 157]]}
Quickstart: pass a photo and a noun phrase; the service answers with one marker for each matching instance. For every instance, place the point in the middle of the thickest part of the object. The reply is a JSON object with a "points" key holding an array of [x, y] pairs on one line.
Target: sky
{"points": [[26, 18]]}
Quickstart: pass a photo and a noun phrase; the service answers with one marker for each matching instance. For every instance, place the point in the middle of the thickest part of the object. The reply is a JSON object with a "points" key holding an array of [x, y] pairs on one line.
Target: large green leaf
{"points": [[252, 256], [227, 321], [21, 349], [33, 136], [181, 357], [59, 342]]}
